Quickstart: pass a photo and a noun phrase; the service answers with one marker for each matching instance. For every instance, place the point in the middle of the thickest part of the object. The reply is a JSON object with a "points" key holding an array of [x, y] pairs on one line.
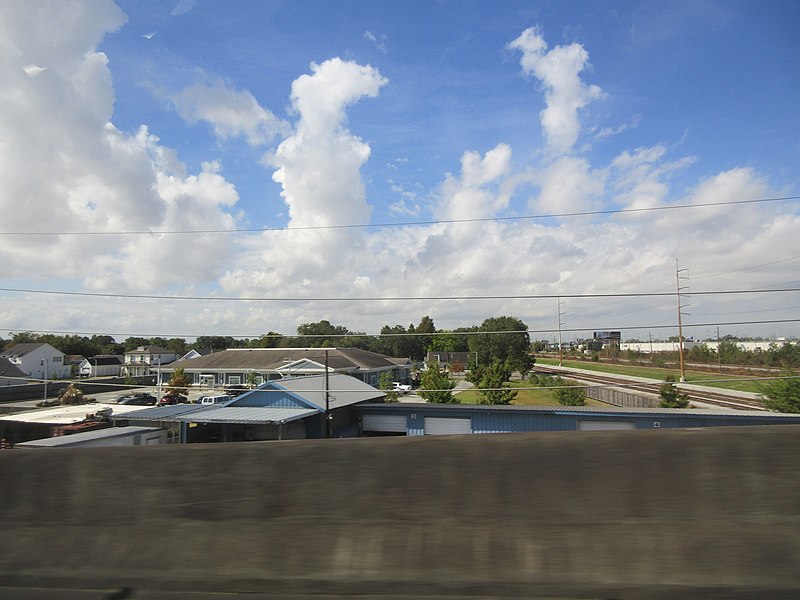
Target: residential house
{"points": [[195, 353], [102, 365], [240, 365], [10, 374], [38, 360], [146, 360]]}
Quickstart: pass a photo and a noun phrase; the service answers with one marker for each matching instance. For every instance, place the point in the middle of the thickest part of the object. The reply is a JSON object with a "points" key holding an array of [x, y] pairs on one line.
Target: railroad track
{"points": [[715, 398]]}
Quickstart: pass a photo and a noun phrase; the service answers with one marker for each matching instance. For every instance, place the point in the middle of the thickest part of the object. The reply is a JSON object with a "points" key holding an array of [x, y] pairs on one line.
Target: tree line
{"points": [[503, 338]]}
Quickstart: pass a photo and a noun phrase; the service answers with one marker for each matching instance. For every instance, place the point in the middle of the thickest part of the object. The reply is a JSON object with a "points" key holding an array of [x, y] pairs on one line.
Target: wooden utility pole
{"points": [[680, 322], [560, 351]]}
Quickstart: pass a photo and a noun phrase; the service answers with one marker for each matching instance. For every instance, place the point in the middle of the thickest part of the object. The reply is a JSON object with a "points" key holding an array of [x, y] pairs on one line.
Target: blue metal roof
{"points": [[247, 415], [160, 413], [579, 410]]}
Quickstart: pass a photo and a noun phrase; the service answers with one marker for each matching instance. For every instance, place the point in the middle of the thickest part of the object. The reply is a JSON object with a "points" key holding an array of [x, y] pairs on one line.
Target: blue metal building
{"points": [[432, 419]]}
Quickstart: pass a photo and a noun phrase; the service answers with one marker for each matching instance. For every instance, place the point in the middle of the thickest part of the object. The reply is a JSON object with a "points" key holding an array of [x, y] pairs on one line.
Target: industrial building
{"points": [[436, 419]]}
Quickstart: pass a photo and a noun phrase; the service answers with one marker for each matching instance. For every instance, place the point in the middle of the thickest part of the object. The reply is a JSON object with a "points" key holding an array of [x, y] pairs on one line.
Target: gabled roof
{"points": [[18, 350], [9, 369], [343, 390], [105, 359], [150, 350], [254, 406], [273, 359], [195, 352]]}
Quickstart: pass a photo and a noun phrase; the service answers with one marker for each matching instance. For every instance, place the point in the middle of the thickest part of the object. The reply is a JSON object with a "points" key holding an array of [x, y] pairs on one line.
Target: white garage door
{"points": [[387, 423], [447, 426], [604, 425]]}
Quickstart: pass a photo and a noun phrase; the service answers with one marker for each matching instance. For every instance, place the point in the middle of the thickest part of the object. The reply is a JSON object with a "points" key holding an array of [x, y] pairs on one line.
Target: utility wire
{"points": [[392, 335], [390, 298], [774, 262], [409, 223]]}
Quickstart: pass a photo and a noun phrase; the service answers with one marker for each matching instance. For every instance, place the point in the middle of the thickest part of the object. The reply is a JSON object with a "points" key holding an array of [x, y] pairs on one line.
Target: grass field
{"points": [[730, 382], [527, 397]]}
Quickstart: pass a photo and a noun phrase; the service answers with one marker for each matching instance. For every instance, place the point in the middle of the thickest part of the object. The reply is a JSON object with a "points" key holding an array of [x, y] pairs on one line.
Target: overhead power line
{"points": [[588, 213], [391, 298], [119, 334]]}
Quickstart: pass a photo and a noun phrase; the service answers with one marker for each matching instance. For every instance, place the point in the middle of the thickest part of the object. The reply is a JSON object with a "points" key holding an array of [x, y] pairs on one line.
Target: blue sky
{"points": [[199, 115]]}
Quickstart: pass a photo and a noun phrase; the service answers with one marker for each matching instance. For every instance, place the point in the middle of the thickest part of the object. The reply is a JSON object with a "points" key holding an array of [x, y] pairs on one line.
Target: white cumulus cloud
{"points": [[230, 112], [565, 94], [65, 167]]}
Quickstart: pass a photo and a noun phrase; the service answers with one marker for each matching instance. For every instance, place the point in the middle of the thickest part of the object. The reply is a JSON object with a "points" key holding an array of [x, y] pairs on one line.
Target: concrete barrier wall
{"points": [[618, 397], [633, 514]]}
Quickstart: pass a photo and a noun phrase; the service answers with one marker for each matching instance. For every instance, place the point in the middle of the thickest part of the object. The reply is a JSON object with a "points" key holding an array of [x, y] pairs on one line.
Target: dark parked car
{"points": [[168, 399], [138, 399]]}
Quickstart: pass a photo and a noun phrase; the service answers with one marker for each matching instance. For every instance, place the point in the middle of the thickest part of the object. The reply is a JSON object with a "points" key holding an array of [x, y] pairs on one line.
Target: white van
{"points": [[217, 399]]}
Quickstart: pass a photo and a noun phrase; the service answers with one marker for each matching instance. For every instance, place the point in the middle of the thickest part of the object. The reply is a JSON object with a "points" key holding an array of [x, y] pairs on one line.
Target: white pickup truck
{"points": [[400, 388]]}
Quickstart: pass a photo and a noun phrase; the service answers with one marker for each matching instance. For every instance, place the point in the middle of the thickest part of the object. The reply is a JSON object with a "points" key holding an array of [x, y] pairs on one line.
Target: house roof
{"points": [[584, 410], [274, 359], [102, 359], [85, 436], [250, 415], [66, 415], [150, 350], [193, 413], [22, 349], [252, 407], [343, 390], [9, 369]]}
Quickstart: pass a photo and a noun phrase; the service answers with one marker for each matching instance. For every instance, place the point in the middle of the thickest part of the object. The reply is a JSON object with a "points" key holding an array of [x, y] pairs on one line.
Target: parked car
{"points": [[138, 399], [236, 390], [216, 399], [401, 388], [168, 399]]}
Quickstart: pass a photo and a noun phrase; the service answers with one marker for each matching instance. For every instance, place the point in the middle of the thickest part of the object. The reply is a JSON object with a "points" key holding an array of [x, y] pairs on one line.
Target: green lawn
{"points": [[527, 397], [719, 380]]}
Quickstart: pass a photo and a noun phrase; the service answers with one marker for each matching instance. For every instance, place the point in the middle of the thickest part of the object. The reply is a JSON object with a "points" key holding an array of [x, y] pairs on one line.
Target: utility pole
{"points": [[327, 399], [560, 351], [650, 335], [719, 354], [46, 364], [678, 278]]}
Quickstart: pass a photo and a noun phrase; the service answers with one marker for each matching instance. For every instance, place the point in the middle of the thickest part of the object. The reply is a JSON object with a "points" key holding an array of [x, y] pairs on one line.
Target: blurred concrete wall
{"points": [[633, 514]]}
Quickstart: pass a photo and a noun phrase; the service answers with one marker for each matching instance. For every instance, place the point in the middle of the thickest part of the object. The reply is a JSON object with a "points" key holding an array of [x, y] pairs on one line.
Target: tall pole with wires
{"points": [[327, 399], [678, 287], [560, 351]]}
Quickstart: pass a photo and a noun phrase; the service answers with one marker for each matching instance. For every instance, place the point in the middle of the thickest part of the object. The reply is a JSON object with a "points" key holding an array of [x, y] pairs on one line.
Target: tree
{"points": [[569, 393], [422, 341], [436, 385], [321, 334], [782, 395], [386, 384], [215, 343], [178, 383], [670, 396], [515, 345], [252, 378], [491, 382]]}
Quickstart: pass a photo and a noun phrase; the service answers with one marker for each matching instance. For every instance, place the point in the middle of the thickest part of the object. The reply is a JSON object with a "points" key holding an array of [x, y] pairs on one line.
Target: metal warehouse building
{"points": [[437, 419]]}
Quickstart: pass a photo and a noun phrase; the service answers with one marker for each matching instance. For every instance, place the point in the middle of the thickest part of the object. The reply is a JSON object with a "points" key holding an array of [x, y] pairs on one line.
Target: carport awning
{"points": [[192, 413], [252, 416]]}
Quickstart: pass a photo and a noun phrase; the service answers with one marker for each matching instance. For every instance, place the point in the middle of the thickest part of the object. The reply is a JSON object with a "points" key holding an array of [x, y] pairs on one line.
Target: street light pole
{"points": [[46, 364]]}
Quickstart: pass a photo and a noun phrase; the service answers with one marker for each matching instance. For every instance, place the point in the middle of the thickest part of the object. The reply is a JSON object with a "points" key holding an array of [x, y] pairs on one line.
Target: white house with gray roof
{"points": [[237, 366], [38, 360]]}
